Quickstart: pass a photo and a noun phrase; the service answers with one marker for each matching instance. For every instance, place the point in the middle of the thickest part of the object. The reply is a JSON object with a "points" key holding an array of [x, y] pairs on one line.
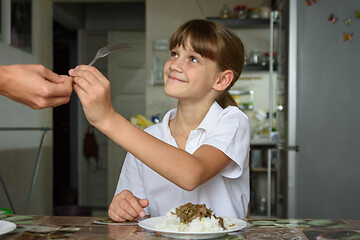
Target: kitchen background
{"points": [[314, 95]]}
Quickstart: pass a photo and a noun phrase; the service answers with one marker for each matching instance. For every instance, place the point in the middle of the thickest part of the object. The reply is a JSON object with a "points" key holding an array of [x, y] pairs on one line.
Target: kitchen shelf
{"points": [[264, 157], [246, 107], [242, 23], [262, 143], [262, 170], [253, 68], [241, 92], [257, 68]]}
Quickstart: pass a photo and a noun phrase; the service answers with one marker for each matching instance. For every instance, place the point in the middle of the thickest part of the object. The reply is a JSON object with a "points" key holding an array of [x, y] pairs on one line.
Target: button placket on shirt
{"points": [[192, 142]]}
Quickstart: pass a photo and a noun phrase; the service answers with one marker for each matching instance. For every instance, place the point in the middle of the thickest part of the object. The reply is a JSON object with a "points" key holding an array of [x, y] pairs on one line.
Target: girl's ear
{"points": [[224, 80]]}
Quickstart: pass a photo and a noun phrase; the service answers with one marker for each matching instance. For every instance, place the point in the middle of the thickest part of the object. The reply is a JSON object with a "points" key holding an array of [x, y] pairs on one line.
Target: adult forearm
{"points": [[4, 79], [34, 85]]}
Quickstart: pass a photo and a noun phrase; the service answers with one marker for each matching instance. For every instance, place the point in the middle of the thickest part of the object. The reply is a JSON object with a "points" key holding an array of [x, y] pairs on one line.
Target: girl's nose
{"points": [[175, 66]]}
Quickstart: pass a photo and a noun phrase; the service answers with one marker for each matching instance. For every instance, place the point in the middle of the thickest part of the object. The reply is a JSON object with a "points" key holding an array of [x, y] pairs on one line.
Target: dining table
{"points": [[34, 227]]}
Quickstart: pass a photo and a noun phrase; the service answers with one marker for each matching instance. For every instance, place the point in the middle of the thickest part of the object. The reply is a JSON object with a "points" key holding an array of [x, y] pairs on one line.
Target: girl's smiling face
{"points": [[188, 75]]}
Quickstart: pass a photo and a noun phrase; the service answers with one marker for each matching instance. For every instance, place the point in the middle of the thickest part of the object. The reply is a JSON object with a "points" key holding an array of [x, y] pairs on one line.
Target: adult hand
{"points": [[125, 206], [93, 90], [34, 85]]}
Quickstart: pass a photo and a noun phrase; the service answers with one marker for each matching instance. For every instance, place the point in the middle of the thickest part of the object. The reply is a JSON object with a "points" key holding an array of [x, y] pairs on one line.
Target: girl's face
{"points": [[188, 75]]}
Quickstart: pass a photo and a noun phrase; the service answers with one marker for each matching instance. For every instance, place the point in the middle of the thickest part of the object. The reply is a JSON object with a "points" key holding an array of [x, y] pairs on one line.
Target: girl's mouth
{"points": [[173, 78]]}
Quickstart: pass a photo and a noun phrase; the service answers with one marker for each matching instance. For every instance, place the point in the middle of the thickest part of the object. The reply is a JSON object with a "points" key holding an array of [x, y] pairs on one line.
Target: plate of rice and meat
{"points": [[193, 221]]}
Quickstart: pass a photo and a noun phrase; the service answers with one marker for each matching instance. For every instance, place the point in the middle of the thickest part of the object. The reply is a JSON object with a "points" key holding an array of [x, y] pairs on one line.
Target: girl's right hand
{"points": [[125, 206], [93, 90]]}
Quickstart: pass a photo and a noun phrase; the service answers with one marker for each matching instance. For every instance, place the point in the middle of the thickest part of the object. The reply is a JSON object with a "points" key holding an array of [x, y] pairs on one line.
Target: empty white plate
{"points": [[6, 227]]}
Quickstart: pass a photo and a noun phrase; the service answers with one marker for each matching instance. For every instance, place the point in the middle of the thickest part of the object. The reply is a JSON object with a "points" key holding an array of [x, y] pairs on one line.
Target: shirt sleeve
{"points": [[131, 177], [231, 135]]}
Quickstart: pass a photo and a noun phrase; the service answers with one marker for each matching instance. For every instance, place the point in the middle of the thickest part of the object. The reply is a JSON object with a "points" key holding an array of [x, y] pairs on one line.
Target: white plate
{"points": [[6, 227], [151, 223]]}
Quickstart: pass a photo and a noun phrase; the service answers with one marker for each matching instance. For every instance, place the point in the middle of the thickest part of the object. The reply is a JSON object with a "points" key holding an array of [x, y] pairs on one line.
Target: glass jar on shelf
{"points": [[254, 13], [264, 61], [254, 57], [265, 10], [240, 12], [225, 12]]}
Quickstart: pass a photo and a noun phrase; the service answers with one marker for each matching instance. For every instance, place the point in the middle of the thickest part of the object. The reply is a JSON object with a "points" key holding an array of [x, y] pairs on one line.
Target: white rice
{"points": [[172, 223]]}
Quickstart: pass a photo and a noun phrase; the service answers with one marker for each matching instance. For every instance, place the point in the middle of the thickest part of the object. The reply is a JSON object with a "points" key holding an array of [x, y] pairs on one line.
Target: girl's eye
{"points": [[174, 54], [194, 59]]}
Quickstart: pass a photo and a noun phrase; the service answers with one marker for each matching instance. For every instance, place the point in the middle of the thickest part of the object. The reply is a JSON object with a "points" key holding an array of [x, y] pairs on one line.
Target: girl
{"points": [[199, 152]]}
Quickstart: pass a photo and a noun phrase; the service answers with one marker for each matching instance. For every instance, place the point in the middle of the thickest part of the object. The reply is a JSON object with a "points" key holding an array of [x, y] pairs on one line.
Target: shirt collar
{"points": [[165, 123], [209, 120], [206, 124]]}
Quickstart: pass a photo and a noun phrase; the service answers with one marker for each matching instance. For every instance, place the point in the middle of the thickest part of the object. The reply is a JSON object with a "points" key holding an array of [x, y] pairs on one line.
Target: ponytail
{"points": [[225, 100]]}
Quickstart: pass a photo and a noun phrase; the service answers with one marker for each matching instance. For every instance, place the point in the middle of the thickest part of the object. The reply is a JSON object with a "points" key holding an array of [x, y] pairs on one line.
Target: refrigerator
{"points": [[323, 109]]}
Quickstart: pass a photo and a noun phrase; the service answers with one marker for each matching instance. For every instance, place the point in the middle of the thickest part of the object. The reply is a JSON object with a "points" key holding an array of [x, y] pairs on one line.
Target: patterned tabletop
{"points": [[93, 228]]}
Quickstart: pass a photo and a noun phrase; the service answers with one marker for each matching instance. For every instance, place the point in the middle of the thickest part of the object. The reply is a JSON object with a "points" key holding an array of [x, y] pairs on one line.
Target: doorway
{"points": [[79, 30], [65, 168]]}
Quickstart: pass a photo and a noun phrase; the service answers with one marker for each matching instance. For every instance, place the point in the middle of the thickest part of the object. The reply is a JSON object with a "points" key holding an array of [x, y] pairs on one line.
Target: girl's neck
{"points": [[189, 116]]}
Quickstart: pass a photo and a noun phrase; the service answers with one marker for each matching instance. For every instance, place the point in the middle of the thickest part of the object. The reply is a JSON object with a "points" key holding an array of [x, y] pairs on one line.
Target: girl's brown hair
{"points": [[216, 42]]}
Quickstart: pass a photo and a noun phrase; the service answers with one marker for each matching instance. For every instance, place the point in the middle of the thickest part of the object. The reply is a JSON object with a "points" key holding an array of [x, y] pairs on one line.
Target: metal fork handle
{"points": [[98, 56], [93, 61]]}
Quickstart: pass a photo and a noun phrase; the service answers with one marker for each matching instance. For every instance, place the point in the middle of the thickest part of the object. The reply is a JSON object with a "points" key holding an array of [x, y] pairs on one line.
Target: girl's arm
{"points": [[181, 168]]}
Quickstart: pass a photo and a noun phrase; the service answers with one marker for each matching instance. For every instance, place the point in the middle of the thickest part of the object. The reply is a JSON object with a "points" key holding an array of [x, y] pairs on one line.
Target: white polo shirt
{"points": [[227, 194]]}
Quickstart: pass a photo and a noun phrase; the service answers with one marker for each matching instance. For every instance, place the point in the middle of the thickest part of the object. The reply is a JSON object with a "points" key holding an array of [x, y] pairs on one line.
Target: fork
{"points": [[104, 51]]}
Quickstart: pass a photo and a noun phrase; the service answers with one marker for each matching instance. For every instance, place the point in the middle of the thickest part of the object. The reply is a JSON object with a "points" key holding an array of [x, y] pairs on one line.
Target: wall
{"points": [[18, 150]]}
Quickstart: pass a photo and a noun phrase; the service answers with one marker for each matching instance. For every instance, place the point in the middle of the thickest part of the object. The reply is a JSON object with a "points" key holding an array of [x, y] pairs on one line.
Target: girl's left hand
{"points": [[93, 90]]}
